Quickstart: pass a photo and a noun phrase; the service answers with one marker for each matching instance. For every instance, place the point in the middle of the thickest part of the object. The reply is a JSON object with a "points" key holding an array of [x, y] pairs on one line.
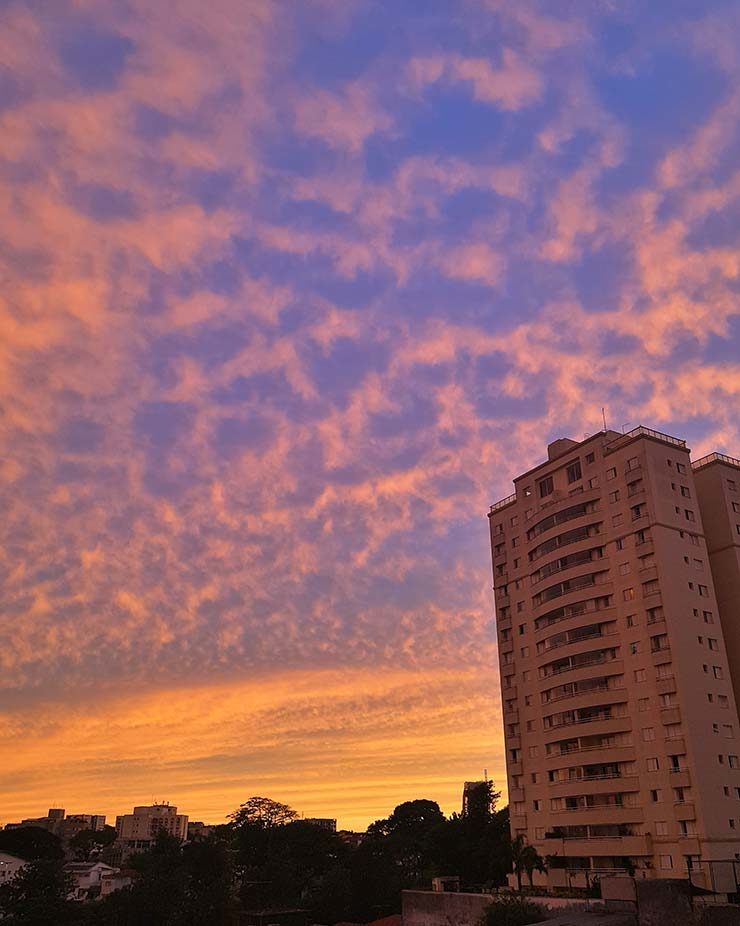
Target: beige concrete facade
{"points": [[717, 479], [620, 721], [138, 830]]}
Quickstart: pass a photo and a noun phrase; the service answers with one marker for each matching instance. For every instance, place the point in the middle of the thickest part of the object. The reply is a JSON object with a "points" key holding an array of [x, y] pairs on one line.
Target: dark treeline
{"points": [[266, 858]]}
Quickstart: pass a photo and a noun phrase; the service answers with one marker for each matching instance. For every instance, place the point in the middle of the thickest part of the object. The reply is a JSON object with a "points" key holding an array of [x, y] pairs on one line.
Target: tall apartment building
{"points": [[620, 721], [139, 830], [717, 479]]}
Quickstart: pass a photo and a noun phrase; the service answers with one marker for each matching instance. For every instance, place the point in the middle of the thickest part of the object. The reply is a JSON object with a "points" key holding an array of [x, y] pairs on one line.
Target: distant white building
{"points": [[10, 865]]}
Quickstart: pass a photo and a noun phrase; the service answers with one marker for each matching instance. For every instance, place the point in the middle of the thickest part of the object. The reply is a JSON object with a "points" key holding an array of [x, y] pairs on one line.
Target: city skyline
{"points": [[290, 292]]}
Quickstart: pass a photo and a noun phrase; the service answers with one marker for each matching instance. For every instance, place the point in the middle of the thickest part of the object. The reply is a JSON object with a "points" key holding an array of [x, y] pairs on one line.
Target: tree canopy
{"points": [[263, 812], [31, 842]]}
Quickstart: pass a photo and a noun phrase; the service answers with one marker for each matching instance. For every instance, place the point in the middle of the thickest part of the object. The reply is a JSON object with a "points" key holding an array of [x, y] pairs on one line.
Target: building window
{"points": [[648, 734], [703, 591], [652, 764], [624, 568], [689, 514], [643, 704], [590, 457], [661, 828], [614, 496], [628, 594], [681, 467], [632, 463], [611, 473], [656, 795], [666, 862], [545, 487], [574, 471], [717, 672], [733, 761], [617, 519], [639, 675], [593, 483]]}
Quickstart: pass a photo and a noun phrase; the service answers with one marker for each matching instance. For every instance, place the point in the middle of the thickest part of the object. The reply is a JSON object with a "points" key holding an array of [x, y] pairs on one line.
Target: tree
{"points": [[482, 800], [525, 858], [86, 842], [262, 812], [31, 842], [37, 896], [475, 845]]}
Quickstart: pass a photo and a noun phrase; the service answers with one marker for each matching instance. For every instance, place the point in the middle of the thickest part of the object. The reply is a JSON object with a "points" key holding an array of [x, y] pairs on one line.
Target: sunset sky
{"points": [[290, 291]]}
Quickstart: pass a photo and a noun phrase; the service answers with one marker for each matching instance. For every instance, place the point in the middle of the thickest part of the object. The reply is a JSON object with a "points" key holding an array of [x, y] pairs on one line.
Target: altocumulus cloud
{"points": [[289, 294]]}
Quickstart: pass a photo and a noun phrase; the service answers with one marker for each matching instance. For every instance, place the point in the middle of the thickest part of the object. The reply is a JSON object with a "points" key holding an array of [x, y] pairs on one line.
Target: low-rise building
{"points": [[10, 865], [325, 823]]}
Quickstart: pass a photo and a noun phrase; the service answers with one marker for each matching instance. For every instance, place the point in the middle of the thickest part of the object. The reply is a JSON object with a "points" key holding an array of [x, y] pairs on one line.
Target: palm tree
{"points": [[525, 858]]}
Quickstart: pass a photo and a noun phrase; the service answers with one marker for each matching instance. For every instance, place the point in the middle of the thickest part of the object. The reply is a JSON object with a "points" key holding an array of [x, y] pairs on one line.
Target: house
{"points": [[88, 878], [10, 865]]}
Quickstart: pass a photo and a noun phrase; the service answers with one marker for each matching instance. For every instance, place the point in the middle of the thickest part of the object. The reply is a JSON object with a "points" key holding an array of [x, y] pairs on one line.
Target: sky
{"points": [[290, 292]]}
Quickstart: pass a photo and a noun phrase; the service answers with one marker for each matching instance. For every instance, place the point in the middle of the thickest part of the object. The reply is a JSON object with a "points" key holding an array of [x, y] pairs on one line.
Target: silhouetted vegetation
{"points": [[31, 842], [267, 859], [510, 910]]}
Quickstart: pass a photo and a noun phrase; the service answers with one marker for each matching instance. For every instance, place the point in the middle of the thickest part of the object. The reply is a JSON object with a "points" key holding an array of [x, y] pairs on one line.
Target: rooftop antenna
{"points": [[485, 775], [603, 416]]}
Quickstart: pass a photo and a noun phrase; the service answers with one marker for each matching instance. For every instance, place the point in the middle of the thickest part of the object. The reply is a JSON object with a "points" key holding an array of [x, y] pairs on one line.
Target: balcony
{"points": [[578, 644], [665, 685], [640, 431], [594, 785], [684, 810], [624, 752], [516, 795], [659, 655], [590, 698], [605, 725], [715, 457], [680, 778], [670, 715], [503, 503], [575, 596], [600, 846], [583, 668], [603, 815]]}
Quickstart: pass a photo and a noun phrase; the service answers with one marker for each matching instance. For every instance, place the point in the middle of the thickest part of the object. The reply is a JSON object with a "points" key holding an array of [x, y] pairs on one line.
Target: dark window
{"points": [[574, 471], [545, 486]]}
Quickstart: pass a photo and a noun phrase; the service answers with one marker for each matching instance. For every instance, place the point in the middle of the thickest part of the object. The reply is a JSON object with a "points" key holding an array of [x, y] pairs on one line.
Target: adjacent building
{"points": [[139, 830], [615, 650], [324, 823], [717, 479], [65, 827]]}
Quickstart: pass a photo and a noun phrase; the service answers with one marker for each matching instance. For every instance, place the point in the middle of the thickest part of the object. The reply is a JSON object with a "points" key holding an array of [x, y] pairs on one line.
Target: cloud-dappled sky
{"points": [[290, 290]]}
